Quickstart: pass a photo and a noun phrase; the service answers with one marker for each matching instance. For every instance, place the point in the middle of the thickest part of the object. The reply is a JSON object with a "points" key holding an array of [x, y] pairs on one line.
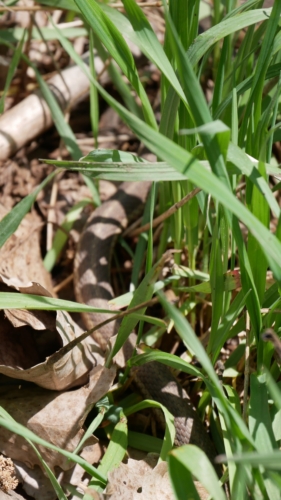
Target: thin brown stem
{"points": [[165, 215], [67, 348]]}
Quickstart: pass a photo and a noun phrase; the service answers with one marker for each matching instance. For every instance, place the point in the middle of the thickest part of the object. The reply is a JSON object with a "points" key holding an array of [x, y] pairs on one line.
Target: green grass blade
{"points": [[211, 135], [11, 221], [259, 417], [12, 68], [213, 35], [150, 45], [191, 458], [143, 293], [112, 39], [62, 234], [184, 162], [183, 490], [217, 285], [116, 449], [169, 420], [19, 429], [10, 300]]}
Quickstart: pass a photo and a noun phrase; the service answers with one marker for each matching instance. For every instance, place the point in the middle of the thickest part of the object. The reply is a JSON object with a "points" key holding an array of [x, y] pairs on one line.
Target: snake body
{"points": [[93, 286]]}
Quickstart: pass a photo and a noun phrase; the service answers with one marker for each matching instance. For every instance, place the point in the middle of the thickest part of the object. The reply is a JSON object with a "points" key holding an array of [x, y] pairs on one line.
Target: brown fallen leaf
{"points": [[34, 482], [143, 480], [10, 495], [140, 479], [20, 256], [57, 417], [29, 338]]}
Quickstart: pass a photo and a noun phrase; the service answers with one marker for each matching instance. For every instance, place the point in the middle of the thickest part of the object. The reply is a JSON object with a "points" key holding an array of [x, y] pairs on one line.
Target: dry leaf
{"points": [[11, 495], [29, 338], [136, 480], [20, 256], [55, 417], [143, 480], [34, 482]]}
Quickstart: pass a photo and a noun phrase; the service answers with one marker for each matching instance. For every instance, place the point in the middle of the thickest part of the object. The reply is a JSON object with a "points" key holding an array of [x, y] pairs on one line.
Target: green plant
{"points": [[214, 146]]}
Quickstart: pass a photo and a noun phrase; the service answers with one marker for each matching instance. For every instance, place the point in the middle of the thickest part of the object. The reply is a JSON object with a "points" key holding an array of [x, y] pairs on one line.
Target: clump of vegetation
{"points": [[220, 115]]}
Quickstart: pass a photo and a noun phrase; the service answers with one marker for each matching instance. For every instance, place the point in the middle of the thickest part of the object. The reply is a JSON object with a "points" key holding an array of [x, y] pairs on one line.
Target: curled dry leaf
{"points": [[29, 338], [57, 417]]}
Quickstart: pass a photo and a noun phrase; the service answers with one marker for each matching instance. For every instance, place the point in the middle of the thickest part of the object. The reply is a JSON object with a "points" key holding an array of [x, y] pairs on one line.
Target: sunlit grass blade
{"points": [[183, 161], [259, 417], [227, 322], [112, 39], [260, 208], [263, 61], [212, 135], [9, 300], [114, 454], [149, 44], [183, 490], [192, 459], [236, 23]]}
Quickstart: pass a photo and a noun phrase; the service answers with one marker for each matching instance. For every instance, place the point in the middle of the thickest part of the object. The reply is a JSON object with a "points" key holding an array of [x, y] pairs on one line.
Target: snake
{"points": [[92, 285]]}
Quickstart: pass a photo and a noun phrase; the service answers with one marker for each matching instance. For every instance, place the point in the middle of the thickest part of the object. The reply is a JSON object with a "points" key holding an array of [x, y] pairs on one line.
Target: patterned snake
{"points": [[93, 287]]}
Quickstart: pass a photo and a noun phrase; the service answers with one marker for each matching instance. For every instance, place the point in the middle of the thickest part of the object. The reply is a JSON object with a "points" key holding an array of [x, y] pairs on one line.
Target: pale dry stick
{"points": [[68, 347], [247, 368], [51, 215], [266, 310], [163, 216], [35, 8], [25, 8], [32, 116], [88, 141], [140, 4], [63, 283]]}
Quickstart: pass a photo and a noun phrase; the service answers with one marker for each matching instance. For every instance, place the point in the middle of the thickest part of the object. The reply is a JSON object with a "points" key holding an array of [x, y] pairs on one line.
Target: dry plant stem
{"points": [[51, 216], [32, 116], [35, 8], [247, 368], [63, 283], [165, 215], [67, 348]]}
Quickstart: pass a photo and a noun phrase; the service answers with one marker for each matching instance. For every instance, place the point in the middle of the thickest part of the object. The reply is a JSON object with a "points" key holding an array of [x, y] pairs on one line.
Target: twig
{"points": [[165, 215], [247, 368], [35, 8], [67, 348], [63, 283]]}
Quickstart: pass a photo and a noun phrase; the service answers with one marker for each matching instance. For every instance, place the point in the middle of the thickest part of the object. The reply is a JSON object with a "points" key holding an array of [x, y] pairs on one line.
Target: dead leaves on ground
{"points": [[28, 340]]}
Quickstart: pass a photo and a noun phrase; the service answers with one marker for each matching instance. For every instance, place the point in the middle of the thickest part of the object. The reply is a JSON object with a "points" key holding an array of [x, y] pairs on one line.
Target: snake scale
{"points": [[93, 286]]}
